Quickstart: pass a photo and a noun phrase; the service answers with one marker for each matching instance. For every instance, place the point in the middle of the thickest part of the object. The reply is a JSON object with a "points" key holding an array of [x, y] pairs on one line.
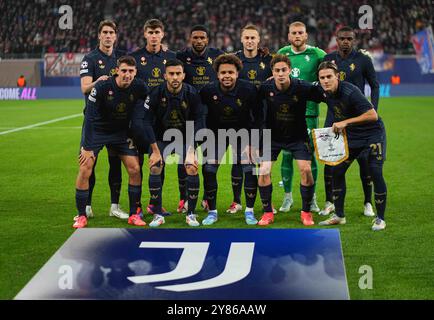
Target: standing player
{"points": [[256, 69], [108, 113], [354, 66], [171, 104], [305, 60], [285, 101], [349, 109], [151, 61], [96, 66], [198, 66], [232, 103]]}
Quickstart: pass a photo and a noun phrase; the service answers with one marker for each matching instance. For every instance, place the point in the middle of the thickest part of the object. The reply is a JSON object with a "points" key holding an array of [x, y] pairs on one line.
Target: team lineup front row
{"points": [[123, 115]]}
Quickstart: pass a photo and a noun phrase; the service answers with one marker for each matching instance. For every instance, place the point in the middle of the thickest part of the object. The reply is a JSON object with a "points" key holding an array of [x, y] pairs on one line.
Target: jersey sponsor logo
{"points": [[121, 107], [295, 72], [156, 72], [200, 71], [252, 74]]}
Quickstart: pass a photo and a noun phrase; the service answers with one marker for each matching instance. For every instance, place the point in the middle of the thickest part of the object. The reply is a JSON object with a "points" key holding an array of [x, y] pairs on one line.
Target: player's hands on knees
{"points": [[338, 127], [85, 156], [155, 159]]}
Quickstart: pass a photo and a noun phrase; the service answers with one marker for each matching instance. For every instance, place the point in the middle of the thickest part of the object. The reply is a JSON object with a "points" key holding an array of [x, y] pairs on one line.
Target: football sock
{"points": [[115, 178], [155, 192], [366, 178], [237, 181], [81, 197], [193, 185], [134, 195], [265, 193], [287, 171], [211, 189], [250, 189], [328, 183], [306, 197], [380, 190], [182, 178]]}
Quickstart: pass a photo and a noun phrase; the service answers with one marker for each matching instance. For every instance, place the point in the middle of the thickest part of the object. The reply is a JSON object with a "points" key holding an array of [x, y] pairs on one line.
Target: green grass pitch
{"points": [[38, 167]]}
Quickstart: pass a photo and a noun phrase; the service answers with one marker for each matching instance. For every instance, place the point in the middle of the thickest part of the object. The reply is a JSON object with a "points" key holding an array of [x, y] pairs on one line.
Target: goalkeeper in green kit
{"points": [[305, 60]]}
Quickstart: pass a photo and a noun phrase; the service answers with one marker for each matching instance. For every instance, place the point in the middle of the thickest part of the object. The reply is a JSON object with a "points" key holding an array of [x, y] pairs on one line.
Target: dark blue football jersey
{"points": [[255, 70], [109, 111], [171, 111], [236, 109], [285, 111], [151, 66], [198, 68], [349, 102], [358, 69]]}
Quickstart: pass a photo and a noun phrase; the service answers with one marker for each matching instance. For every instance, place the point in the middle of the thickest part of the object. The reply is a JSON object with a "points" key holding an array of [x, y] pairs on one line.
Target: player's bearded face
{"points": [[250, 39], [174, 76], [297, 36], [328, 79], [227, 75], [345, 41], [107, 36], [281, 73], [154, 36], [125, 74], [199, 40]]}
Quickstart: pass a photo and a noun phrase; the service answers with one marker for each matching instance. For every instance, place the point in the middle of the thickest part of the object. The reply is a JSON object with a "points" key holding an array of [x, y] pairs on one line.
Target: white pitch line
{"points": [[41, 123]]}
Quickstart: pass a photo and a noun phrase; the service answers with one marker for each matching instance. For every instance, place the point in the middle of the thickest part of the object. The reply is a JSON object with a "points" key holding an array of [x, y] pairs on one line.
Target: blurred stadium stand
{"points": [[29, 29]]}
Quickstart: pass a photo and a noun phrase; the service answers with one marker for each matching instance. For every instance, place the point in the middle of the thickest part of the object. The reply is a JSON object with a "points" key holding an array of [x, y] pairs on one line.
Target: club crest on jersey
{"points": [[215, 98], [121, 107], [352, 66], [338, 112], [163, 102], [112, 72], [184, 105], [174, 115], [188, 60], [284, 108], [271, 94], [200, 71], [209, 60], [295, 72], [239, 103], [101, 64], [295, 98], [342, 75], [156, 72], [131, 97], [110, 96], [143, 61], [262, 65], [164, 61], [251, 74]]}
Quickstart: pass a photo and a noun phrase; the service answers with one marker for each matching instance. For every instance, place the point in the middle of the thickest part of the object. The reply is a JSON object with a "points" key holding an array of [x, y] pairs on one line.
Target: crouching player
{"points": [[349, 109], [171, 105], [108, 112]]}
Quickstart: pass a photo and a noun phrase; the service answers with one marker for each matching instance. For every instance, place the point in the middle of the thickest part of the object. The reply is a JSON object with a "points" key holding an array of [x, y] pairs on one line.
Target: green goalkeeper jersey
{"points": [[304, 66]]}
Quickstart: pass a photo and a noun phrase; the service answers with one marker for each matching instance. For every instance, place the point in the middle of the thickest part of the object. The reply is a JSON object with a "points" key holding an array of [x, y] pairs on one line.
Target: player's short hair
{"points": [[227, 59], [251, 26], [153, 24], [200, 27], [174, 63], [280, 58], [328, 65], [128, 60], [107, 23], [297, 24], [345, 29]]}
